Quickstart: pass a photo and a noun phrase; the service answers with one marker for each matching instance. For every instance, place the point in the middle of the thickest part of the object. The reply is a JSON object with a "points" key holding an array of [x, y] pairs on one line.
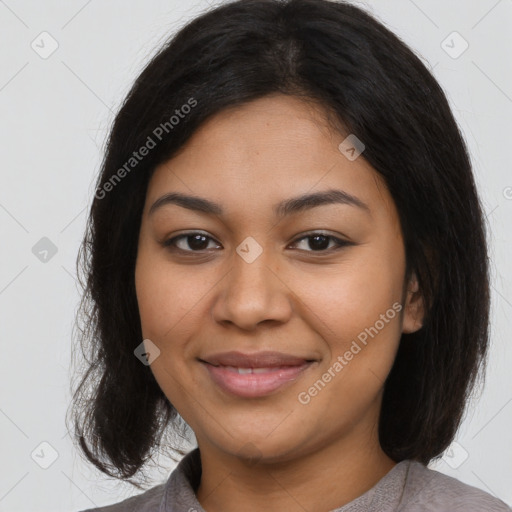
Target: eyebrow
{"points": [[282, 209]]}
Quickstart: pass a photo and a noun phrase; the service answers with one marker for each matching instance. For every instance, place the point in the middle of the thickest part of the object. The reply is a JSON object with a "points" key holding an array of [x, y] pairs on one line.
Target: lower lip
{"points": [[253, 385]]}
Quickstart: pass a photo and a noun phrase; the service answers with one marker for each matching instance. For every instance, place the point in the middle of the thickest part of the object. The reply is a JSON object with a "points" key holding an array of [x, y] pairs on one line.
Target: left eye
{"points": [[198, 242], [318, 242]]}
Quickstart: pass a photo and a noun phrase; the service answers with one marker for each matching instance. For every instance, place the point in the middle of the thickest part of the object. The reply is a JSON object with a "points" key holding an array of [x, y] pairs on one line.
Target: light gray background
{"points": [[54, 117]]}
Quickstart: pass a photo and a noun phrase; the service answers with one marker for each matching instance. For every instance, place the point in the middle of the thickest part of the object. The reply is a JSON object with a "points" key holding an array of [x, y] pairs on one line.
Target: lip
{"points": [[263, 373]]}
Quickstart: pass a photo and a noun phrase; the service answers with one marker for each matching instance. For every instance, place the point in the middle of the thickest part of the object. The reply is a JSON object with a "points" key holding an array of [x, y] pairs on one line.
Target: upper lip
{"points": [[255, 360]]}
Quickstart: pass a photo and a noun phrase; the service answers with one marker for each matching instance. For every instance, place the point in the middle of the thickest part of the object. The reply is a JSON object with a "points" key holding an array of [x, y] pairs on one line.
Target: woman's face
{"points": [[252, 287]]}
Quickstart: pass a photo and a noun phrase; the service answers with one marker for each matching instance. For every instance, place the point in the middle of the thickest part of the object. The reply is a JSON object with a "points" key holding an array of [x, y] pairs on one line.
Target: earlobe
{"points": [[414, 309]]}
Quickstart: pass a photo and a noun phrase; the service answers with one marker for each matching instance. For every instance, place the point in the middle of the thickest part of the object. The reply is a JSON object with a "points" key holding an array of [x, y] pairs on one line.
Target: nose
{"points": [[253, 292]]}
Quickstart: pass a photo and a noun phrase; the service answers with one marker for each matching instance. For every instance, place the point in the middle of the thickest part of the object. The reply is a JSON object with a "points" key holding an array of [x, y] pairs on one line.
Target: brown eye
{"points": [[188, 242], [319, 242]]}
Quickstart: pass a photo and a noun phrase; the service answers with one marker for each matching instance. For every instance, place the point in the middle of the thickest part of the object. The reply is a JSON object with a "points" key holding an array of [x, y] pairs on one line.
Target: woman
{"points": [[287, 250]]}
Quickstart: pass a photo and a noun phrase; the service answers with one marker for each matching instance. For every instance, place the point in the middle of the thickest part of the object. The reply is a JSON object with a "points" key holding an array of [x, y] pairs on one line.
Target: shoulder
{"points": [[148, 501], [177, 491], [429, 490]]}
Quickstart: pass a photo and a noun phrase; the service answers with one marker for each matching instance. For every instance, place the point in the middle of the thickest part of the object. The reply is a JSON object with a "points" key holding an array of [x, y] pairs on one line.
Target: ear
{"points": [[414, 309]]}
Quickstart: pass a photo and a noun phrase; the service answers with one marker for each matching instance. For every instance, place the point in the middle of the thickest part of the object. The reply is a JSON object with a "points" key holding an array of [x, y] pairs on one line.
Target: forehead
{"points": [[253, 156]]}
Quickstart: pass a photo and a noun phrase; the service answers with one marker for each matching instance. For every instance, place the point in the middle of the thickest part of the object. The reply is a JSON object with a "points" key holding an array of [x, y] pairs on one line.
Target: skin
{"points": [[275, 453]]}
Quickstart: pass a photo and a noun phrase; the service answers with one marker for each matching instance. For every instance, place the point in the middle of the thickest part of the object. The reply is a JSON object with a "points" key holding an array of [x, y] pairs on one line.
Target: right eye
{"points": [[194, 240]]}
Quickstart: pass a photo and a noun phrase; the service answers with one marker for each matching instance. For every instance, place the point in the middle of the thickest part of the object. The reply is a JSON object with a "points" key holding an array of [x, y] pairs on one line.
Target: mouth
{"points": [[254, 375]]}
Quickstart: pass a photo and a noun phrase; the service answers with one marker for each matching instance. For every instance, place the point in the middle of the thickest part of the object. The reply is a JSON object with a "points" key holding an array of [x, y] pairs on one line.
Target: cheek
{"points": [[358, 317], [168, 298], [356, 309], [351, 296]]}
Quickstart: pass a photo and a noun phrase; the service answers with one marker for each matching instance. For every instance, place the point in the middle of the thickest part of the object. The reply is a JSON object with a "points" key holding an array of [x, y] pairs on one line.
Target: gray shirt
{"points": [[408, 487]]}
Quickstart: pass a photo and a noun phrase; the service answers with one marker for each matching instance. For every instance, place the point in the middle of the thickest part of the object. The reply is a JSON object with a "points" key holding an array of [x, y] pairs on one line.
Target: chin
{"points": [[255, 448]]}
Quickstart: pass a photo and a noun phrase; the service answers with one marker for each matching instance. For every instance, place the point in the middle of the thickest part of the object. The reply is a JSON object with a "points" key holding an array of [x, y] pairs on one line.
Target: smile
{"points": [[254, 375], [245, 371]]}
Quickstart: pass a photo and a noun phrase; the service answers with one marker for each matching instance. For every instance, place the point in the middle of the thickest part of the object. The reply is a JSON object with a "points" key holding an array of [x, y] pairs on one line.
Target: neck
{"points": [[321, 480]]}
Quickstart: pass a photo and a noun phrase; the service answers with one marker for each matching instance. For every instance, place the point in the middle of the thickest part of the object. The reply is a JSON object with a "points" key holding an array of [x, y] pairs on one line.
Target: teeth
{"points": [[246, 371], [261, 370]]}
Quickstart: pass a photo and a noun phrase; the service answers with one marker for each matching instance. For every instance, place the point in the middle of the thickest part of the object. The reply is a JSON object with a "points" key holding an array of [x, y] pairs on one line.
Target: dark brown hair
{"points": [[373, 86]]}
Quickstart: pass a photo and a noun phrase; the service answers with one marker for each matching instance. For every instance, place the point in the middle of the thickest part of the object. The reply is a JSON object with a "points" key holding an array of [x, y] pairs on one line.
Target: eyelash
{"points": [[170, 243]]}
